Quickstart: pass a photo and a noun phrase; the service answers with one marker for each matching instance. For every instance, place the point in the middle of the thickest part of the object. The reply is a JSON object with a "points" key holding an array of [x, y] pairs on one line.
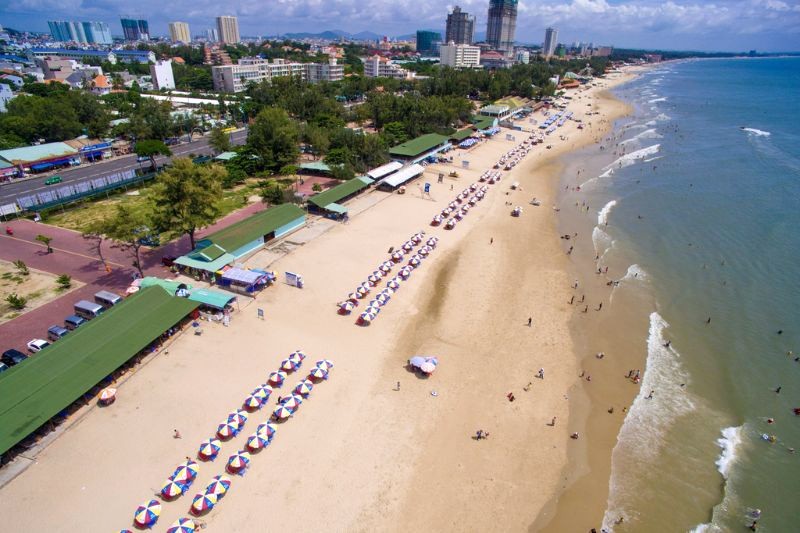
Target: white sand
{"points": [[357, 455]]}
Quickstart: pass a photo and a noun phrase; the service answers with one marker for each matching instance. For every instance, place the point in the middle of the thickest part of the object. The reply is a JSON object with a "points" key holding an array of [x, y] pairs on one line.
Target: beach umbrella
{"points": [[353, 297], [277, 378], [318, 373], [202, 502], [291, 402], [423, 252], [252, 403], [297, 355], [147, 514], [260, 393], [227, 430], [382, 299], [397, 257], [324, 364], [427, 367], [282, 412], [393, 284], [209, 449], [108, 395], [346, 307], [266, 390], [184, 475], [172, 489], [304, 388], [238, 462], [266, 429], [237, 418], [182, 525], [287, 365], [256, 442], [408, 246], [372, 279], [219, 486]]}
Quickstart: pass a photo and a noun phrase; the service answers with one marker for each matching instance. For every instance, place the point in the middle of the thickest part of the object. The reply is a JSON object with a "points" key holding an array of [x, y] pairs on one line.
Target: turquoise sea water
{"points": [[702, 199]]}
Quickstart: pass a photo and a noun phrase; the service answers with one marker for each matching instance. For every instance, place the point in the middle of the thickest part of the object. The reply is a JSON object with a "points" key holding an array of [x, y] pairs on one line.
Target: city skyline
{"points": [[681, 25]]}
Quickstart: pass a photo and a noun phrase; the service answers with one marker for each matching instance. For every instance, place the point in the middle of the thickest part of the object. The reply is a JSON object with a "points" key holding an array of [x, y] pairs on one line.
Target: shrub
{"points": [[16, 302]]}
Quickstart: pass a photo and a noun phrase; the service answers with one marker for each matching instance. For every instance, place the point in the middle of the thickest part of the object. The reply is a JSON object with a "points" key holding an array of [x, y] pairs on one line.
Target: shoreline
{"points": [[367, 456]]}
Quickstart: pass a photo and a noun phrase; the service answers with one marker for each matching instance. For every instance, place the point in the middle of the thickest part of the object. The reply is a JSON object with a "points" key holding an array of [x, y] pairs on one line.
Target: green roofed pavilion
{"points": [[253, 227], [482, 122], [341, 191], [315, 167], [36, 390], [461, 134], [418, 146]]}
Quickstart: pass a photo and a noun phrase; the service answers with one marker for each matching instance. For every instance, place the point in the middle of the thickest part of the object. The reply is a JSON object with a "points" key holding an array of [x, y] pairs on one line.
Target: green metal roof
{"points": [[215, 299], [316, 166], [226, 156], [482, 123], [414, 147], [336, 208], [212, 266], [44, 385], [461, 134], [31, 154], [245, 231], [334, 194], [209, 253], [167, 285]]}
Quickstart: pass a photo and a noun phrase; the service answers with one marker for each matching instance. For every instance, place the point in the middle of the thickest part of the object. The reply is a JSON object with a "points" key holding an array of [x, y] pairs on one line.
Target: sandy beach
{"points": [[359, 455]]}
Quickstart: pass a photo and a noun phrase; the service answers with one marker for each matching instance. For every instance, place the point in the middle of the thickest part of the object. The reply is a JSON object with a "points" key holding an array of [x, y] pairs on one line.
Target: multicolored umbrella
{"points": [[325, 364], [292, 402], [282, 412], [203, 501], [277, 378], [219, 486], [298, 357], [260, 393], [183, 474], [108, 395], [209, 449], [227, 430], [304, 388], [238, 462], [346, 307], [238, 417], [147, 514], [253, 402], [256, 441], [172, 489], [288, 365], [318, 373], [267, 430], [182, 525]]}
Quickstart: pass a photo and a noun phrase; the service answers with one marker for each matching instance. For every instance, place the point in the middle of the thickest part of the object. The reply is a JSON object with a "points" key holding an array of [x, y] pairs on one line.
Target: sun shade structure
{"points": [[219, 486], [403, 176], [304, 388], [418, 146], [147, 514], [238, 462], [246, 231], [246, 277], [45, 385], [384, 170], [277, 378], [339, 193], [257, 441], [203, 502], [287, 365], [266, 429], [227, 430], [253, 402], [182, 525], [172, 489], [209, 449], [282, 412]]}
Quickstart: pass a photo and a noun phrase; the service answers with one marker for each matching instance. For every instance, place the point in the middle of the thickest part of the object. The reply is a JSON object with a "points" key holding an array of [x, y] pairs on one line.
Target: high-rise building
{"points": [[97, 32], [135, 29], [179, 32], [426, 40], [550, 42], [460, 55], [80, 32], [211, 35], [502, 25], [228, 29], [161, 74], [235, 78], [460, 27]]}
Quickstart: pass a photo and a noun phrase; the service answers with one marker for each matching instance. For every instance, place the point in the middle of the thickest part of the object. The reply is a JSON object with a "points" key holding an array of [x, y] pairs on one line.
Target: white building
{"points": [[179, 32], [6, 94], [380, 67], [234, 78], [228, 29], [161, 74], [460, 55], [550, 42], [522, 56]]}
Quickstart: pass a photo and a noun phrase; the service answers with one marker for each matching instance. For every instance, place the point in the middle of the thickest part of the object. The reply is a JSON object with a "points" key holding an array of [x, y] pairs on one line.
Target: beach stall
{"points": [[328, 203], [245, 281], [424, 364], [401, 177]]}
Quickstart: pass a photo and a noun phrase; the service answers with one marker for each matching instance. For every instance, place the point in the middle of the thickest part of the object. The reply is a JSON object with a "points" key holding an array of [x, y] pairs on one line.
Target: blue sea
{"points": [[697, 197]]}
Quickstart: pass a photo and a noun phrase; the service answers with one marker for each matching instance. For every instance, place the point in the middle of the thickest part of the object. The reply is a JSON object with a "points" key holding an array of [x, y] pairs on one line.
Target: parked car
{"points": [[3, 367], [13, 357], [168, 260], [52, 180], [37, 345], [56, 332], [73, 322]]}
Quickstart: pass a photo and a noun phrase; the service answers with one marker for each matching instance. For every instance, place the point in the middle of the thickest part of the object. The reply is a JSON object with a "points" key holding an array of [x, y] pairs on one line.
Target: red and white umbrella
{"points": [[346, 308], [108, 395]]}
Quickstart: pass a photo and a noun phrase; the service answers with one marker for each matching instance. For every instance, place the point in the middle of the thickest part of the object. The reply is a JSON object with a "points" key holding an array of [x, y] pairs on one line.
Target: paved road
{"points": [[9, 191]]}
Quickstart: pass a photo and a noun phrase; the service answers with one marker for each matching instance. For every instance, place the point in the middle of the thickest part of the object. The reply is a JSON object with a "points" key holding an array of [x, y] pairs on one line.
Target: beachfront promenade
{"points": [[362, 447]]}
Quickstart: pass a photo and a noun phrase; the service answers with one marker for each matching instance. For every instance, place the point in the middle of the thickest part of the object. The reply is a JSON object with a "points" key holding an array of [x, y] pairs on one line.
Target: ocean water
{"points": [[697, 202]]}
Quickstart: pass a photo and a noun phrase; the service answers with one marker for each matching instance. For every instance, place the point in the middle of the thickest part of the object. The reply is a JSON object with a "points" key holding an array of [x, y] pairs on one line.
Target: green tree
{"points": [[16, 302], [273, 137], [186, 197], [151, 148], [272, 193], [316, 187], [126, 227], [219, 140], [44, 239], [21, 267], [64, 281]]}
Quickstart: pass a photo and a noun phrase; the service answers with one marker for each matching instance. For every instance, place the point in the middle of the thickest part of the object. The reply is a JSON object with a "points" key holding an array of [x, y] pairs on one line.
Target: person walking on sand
{"points": [[650, 396], [583, 298], [586, 309], [530, 321], [176, 434], [553, 422], [600, 307], [491, 240], [541, 373], [708, 320], [571, 300], [575, 285]]}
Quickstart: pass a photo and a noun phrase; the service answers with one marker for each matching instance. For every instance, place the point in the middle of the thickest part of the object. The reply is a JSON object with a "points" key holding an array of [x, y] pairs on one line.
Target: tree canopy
{"points": [[273, 137]]}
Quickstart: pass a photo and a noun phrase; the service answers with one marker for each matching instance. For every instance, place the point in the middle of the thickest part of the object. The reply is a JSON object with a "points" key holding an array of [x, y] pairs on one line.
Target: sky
{"points": [[721, 25]]}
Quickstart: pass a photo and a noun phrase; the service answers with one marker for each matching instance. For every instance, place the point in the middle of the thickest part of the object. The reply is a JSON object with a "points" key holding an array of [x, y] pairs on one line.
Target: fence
{"points": [[77, 191]]}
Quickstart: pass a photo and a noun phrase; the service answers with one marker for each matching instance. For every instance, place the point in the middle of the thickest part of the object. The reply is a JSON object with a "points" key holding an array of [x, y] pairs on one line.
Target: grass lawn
{"points": [[81, 216]]}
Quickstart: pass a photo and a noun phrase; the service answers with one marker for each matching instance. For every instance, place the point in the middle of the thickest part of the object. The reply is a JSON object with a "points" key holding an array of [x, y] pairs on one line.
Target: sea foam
{"points": [[730, 442], [602, 215], [757, 133], [646, 134], [602, 241], [654, 100], [631, 158]]}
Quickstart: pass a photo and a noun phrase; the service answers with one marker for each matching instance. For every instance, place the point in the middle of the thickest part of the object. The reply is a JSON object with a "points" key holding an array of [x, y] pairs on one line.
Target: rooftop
{"points": [[246, 231], [31, 154], [417, 146], [343, 190], [38, 389]]}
